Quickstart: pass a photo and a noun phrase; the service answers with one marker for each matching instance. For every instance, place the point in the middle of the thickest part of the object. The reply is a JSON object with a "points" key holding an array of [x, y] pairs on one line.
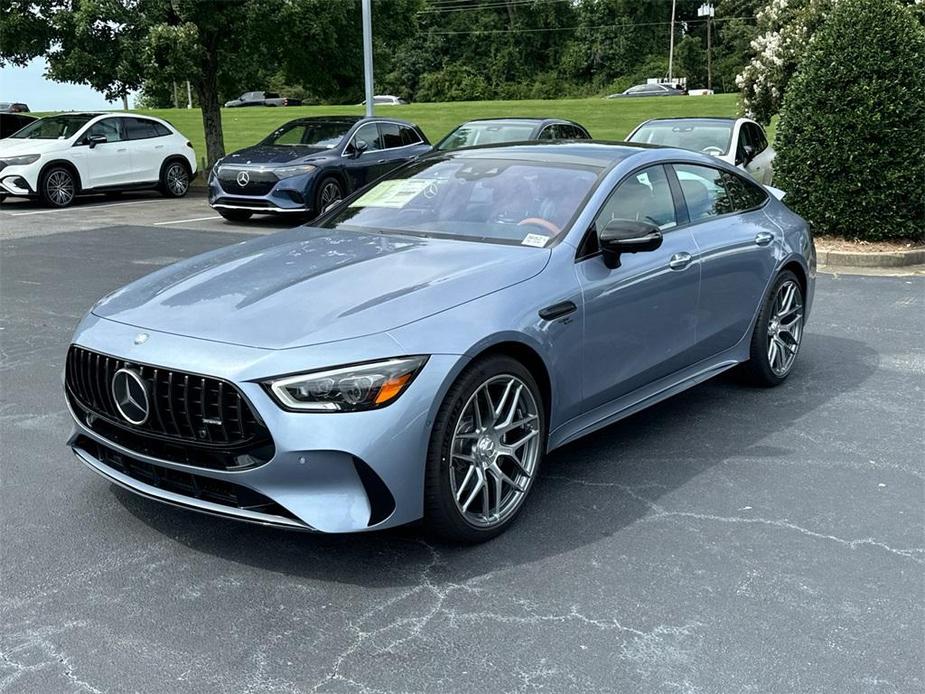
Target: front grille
{"points": [[193, 419], [259, 183], [184, 483]]}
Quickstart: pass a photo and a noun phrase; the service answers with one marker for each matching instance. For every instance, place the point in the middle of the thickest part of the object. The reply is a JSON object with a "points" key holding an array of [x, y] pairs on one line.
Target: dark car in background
{"points": [[11, 122], [490, 131], [13, 107], [262, 99], [649, 90], [307, 164]]}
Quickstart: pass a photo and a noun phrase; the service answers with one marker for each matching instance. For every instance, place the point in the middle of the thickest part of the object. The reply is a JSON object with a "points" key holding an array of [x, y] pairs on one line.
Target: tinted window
{"points": [[108, 127], [757, 137], [409, 136], [390, 134], [550, 132], [704, 191], [745, 194], [369, 134], [643, 197], [138, 128], [495, 200], [10, 123], [573, 132], [54, 127], [161, 130]]}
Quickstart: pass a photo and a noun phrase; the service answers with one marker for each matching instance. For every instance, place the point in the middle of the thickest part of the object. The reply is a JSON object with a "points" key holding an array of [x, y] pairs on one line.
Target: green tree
{"points": [[851, 139]]}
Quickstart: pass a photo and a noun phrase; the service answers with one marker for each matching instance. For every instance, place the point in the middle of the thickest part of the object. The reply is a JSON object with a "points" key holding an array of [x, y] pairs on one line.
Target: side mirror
{"points": [[95, 140], [627, 236], [749, 153]]}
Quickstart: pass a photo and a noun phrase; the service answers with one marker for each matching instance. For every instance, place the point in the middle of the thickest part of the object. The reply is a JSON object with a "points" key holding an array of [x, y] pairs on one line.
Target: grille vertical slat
{"points": [[186, 406]]}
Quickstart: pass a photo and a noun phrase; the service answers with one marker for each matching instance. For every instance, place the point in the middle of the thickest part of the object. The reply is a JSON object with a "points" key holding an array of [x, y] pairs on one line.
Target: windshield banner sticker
{"points": [[536, 240], [395, 193]]}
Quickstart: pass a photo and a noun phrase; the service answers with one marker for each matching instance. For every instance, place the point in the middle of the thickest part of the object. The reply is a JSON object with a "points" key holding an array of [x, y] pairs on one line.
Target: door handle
{"points": [[158, 146], [121, 150], [763, 238], [382, 161], [679, 261]]}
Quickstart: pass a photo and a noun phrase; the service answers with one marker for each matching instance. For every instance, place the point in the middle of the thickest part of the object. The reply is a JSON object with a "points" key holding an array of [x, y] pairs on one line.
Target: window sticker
{"points": [[395, 193], [535, 240]]}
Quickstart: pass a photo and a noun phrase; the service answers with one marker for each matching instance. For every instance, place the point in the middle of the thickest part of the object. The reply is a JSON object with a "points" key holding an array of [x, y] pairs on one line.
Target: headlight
{"points": [[21, 159], [290, 171], [347, 388]]}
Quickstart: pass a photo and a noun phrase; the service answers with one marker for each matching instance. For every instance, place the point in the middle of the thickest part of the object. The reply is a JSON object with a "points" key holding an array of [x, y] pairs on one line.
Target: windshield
{"points": [[325, 134], [710, 137], [493, 200], [486, 133], [53, 127]]}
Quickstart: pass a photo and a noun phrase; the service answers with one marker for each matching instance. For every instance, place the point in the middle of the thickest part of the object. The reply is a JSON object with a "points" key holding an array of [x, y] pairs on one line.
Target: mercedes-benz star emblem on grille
{"points": [[141, 338], [131, 396], [243, 178]]}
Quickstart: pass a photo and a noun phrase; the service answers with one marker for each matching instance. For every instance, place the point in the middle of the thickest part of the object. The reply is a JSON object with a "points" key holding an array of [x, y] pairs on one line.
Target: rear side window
{"points": [[391, 135], [573, 132], [704, 190], [759, 141], [746, 195], [138, 128], [408, 136], [161, 130]]}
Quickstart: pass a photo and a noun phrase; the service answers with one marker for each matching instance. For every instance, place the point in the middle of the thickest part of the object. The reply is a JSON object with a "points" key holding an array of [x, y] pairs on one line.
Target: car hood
{"points": [[308, 286], [276, 154], [11, 146]]}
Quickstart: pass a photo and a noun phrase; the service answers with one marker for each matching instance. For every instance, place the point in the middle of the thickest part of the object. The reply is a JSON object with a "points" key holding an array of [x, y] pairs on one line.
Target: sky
{"points": [[28, 85]]}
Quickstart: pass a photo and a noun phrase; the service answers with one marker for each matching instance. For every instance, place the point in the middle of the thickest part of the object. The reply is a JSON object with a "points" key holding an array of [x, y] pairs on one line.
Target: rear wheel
{"points": [[235, 215], [778, 333], [58, 187], [485, 451], [174, 179]]}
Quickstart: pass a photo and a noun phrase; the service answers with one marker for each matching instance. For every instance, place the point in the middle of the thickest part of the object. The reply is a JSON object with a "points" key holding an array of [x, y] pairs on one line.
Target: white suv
{"points": [[59, 157]]}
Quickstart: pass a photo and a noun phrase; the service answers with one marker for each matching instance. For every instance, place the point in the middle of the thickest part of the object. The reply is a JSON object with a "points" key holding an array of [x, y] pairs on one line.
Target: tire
{"points": [[58, 187], [235, 215], [175, 179], [478, 516], [778, 333], [329, 190]]}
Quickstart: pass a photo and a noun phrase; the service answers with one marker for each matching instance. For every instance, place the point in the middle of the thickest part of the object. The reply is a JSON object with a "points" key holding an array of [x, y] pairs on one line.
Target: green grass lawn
{"points": [[605, 119]]}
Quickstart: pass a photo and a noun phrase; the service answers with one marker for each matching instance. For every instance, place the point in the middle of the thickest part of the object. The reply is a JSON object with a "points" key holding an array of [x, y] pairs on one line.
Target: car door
{"points": [[361, 162], [761, 167], [736, 244], [639, 318], [106, 163], [148, 149], [394, 153]]}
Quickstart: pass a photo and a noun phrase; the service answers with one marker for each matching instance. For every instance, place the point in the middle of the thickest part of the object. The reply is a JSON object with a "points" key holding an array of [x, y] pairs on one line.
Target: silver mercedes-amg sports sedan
{"points": [[417, 352]]}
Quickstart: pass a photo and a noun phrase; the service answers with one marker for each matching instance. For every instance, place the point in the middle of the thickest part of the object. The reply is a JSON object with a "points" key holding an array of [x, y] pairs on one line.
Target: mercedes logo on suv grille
{"points": [[243, 178], [131, 396]]}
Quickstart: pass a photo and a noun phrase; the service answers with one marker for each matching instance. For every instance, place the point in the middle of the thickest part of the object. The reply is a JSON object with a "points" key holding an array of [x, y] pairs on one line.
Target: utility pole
{"points": [[176, 99], [671, 41], [706, 10], [189, 96], [368, 55]]}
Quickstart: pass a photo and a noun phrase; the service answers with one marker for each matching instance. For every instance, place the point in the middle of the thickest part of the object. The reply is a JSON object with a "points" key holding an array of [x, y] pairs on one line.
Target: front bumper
{"points": [[20, 181], [330, 472], [286, 196]]}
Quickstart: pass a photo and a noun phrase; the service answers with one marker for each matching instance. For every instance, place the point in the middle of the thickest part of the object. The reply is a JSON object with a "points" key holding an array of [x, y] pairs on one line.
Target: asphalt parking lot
{"points": [[728, 540]]}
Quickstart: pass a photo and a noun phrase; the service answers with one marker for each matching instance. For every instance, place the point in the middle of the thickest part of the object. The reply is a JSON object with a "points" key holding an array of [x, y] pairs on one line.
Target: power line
{"points": [[627, 25], [471, 6]]}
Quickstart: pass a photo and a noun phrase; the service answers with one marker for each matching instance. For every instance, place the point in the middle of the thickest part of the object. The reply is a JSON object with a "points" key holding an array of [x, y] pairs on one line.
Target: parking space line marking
{"points": [[183, 221], [82, 207]]}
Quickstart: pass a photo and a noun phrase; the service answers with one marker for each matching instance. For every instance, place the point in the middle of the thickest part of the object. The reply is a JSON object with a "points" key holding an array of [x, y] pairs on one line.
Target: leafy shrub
{"points": [[453, 83], [851, 139]]}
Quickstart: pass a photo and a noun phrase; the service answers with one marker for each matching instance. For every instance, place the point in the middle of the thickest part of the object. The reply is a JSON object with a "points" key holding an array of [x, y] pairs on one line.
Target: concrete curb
{"points": [[888, 259]]}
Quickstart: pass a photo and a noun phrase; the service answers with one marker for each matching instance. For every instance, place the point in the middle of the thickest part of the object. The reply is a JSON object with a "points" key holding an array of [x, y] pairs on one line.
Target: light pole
{"points": [[671, 41], [368, 55], [706, 10]]}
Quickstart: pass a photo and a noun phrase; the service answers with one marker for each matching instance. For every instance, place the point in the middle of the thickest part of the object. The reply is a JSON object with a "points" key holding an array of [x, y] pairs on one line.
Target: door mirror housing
{"points": [[95, 140], [627, 236], [357, 147]]}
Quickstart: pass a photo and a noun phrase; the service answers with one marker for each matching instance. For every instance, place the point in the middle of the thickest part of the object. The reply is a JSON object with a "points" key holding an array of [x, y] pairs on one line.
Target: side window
{"points": [[576, 133], [746, 194], [704, 191], [744, 139], [645, 196], [161, 130], [369, 134], [391, 135], [138, 128], [548, 133], [109, 127], [759, 142], [408, 136]]}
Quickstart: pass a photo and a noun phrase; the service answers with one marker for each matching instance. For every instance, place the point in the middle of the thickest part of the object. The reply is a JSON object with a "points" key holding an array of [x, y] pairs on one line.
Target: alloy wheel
{"points": [[177, 179], [495, 450], [60, 188], [785, 328], [330, 194]]}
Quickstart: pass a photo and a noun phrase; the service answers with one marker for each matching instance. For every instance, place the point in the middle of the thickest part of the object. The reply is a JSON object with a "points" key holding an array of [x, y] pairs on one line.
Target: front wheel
{"points": [[485, 451], [329, 191], [175, 179], [778, 333], [235, 215], [58, 187]]}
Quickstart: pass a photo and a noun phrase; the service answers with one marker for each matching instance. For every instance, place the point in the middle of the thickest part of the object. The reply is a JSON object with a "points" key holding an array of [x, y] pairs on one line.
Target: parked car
{"points": [[650, 90], [60, 157], [420, 350], [307, 164], [11, 122], [738, 141], [386, 100], [262, 99], [488, 131], [13, 107]]}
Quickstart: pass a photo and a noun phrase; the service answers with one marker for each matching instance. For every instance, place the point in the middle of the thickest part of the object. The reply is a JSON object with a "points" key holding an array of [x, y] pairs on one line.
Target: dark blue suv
{"points": [[308, 163]]}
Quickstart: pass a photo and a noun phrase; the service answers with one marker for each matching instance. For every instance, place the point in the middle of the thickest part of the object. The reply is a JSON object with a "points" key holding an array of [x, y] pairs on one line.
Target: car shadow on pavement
{"points": [[630, 464]]}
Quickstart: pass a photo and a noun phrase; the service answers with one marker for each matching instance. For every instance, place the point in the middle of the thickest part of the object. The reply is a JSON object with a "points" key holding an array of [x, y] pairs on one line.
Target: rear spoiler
{"points": [[776, 192]]}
